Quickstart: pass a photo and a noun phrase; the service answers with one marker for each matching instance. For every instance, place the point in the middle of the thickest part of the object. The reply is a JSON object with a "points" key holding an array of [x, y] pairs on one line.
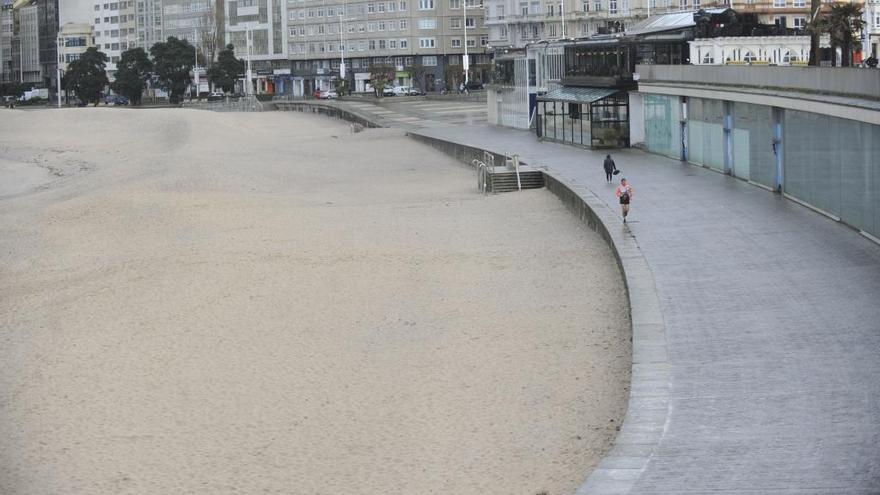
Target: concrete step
{"points": [[506, 181]]}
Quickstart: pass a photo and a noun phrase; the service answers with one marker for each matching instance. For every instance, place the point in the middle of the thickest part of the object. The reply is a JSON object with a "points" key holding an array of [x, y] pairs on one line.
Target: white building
{"points": [[759, 50], [73, 40], [107, 32]]}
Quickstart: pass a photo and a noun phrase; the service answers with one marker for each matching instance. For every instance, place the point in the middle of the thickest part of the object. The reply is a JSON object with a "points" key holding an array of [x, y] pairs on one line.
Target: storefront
{"points": [[590, 117]]}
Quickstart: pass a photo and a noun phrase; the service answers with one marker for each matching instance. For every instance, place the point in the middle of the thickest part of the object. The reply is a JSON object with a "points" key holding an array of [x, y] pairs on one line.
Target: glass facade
{"points": [[834, 165], [753, 134], [829, 163], [706, 132], [663, 125], [603, 123]]}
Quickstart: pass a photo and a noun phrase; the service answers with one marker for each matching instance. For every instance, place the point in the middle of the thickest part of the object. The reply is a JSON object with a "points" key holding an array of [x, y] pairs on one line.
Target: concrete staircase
{"points": [[501, 179]]}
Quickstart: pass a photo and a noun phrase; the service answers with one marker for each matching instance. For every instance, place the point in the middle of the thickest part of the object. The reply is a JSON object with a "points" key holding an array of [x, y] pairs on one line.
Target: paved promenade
{"points": [[768, 379]]}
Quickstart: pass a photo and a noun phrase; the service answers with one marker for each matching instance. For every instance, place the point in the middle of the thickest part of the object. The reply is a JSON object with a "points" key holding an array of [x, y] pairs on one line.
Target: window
{"points": [[371, 27], [311, 13], [550, 11], [381, 25], [427, 23], [320, 12], [402, 25], [552, 29], [371, 8], [708, 59], [381, 44], [800, 22], [392, 44], [361, 28], [403, 44], [484, 40], [392, 25], [456, 42], [382, 7], [470, 23], [372, 44], [779, 3], [392, 6], [403, 6], [426, 42], [426, 4], [331, 12], [471, 43], [429, 61], [524, 8], [503, 32], [361, 45], [786, 57], [749, 57], [454, 4], [455, 23], [321, 29], [612, 5]]}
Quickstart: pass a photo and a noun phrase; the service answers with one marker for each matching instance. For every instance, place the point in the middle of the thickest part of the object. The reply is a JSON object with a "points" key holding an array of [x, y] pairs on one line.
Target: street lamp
{"points": [[465, 62], [342, 42], [247, 26]]}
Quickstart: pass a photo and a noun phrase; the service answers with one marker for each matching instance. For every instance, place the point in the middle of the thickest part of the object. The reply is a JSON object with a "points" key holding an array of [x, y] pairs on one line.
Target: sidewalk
{"points": [[772, 316], [772, 322]]}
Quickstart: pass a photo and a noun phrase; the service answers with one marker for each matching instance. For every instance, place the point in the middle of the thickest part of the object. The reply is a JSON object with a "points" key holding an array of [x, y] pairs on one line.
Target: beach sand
{"points": [[197, 302]]}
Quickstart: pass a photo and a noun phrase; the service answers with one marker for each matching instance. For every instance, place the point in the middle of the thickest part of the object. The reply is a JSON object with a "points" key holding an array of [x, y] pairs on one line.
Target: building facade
{"points": [[73, 40], [28, 42]]}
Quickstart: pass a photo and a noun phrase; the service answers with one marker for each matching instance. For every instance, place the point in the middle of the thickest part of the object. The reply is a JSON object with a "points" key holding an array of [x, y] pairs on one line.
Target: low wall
{"points": [[648, 407], [327, 109], [841, 81]]}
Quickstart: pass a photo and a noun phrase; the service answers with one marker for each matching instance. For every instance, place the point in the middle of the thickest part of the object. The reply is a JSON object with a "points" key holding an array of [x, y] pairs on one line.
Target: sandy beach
{"points": [[213, 303]]}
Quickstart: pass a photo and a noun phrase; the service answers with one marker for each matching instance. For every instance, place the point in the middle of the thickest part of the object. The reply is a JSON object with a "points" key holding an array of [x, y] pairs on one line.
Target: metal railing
{"points": [[243, 104]]}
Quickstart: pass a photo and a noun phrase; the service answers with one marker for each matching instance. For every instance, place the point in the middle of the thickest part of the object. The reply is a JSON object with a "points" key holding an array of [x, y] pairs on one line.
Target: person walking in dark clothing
{"points": [[610, 167]]}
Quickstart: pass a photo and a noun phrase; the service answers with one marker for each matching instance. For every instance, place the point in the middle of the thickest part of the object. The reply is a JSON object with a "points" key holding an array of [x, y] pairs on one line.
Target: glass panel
{"points": [[831, 164], [662, 125], [753, 157], [706, 132]]}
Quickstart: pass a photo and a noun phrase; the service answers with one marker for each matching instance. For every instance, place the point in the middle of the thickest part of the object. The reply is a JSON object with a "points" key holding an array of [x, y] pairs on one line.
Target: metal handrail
{"points": [[482, 175]]}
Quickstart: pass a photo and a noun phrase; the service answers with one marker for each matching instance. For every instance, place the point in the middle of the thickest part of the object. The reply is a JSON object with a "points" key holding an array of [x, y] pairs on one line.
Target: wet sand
{"points": [[194, 302]]}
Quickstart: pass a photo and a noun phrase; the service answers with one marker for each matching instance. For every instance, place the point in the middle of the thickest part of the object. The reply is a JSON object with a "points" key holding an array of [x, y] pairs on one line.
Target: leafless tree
{"points": [[212, 31]]}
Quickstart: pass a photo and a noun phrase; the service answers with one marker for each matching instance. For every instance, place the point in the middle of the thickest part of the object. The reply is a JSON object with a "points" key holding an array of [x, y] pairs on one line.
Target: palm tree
{"points": [[843, 24]]}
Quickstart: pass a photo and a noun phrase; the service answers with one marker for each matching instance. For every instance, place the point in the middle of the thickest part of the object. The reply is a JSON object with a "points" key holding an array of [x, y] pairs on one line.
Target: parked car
{"points": [[115, 100], [415, 92], [328, 95], [401, 90], [474, 85], [216, 96], [388, 91]]}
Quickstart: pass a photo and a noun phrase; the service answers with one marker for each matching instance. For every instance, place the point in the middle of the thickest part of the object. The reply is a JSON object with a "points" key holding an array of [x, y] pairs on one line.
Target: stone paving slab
{"points": [[756, 326]]}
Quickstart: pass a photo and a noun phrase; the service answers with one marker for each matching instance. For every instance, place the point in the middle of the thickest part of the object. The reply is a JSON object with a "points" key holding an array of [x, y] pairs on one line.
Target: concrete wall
{"points": [[853, 82], [636, 119]]}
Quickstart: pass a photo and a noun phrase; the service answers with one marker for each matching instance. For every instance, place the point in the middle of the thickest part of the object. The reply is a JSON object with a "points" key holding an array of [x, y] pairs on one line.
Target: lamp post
{"points": [[196, 61], [465, 63], [247, 90], [58, 69]]}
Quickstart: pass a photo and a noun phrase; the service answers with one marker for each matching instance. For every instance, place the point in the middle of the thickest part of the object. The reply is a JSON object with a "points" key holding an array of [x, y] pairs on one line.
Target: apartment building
{"points": [[7, 74], [28, 42], [424, 41], [515, 23], [871, 43], [73, 40]]}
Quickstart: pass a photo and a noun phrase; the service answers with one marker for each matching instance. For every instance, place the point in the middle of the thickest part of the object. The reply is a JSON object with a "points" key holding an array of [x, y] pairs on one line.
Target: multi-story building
{"points": [[422, 41], [516, 23], [7, 23], [263, 23], [28, 42], [110, 17], [73, 40], [872, 26]]}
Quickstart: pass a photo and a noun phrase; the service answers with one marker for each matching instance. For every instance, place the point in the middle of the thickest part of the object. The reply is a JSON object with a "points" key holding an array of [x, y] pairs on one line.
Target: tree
{"points": [[132, 74], [172, 64], [86, 76], [211, 35], [381, 76], [417, 73], [225, 71], [843, 23]]}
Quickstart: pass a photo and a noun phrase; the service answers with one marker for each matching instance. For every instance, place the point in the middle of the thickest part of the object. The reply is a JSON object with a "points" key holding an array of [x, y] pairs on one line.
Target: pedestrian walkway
{"points": [[771, 314]]}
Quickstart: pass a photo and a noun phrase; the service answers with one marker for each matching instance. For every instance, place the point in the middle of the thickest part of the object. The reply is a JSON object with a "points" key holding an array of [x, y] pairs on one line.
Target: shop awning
{"points": [[577, 95]]}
